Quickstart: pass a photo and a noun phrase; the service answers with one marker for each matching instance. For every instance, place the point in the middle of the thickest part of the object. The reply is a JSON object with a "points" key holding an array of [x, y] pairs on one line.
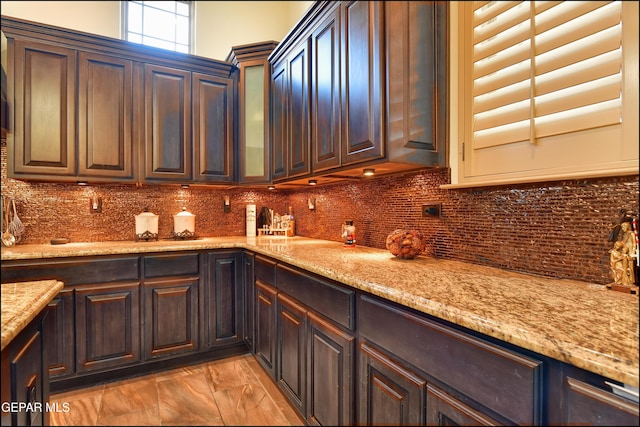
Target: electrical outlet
{"points": [[95, 205], [432, 210]]}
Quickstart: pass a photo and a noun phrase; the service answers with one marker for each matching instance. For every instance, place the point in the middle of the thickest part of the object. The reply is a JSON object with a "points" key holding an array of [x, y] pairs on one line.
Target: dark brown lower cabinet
{"points": [[291, 359], [494, 382], [170, 316], [59, 335], [389, 393], [25, 377], [107, 326], [265, 327], [330, 377], [224, 298], [248, 279], [589, 405], [446, 410]]}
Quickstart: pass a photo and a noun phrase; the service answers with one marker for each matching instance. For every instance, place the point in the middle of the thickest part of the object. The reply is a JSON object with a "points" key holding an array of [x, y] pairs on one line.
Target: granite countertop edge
{"points": [[22, 302], [536, 313]]}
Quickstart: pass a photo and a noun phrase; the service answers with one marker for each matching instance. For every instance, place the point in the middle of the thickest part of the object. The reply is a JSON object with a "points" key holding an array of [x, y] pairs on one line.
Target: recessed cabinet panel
{"points": [[167, 116], [212, 128], [416, 131], [107, 326], [265, 326], [445, 410], [389, 393], [224, 298], [105, 113], [325, 84], [330, 365], [249, 300], [279, 121], [45, 105], [169, 264], [59, 335], [171, 316], [291, 370], [299, 112], [589, 405], [362, 96]]}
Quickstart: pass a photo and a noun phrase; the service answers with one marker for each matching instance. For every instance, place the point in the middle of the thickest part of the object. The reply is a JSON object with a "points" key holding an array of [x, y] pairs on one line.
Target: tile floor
{"points": [[231, 391]]}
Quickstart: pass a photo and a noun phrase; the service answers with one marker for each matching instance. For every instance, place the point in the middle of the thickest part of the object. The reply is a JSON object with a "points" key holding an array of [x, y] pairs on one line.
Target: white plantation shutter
{"points": [[544, 68]]}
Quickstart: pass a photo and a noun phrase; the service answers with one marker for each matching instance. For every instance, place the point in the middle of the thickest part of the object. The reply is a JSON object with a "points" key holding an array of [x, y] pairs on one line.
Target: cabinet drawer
{"points": [[76, 271], [265, 270], [499, 379], [171, 265], [589, 405], [335, 302]]}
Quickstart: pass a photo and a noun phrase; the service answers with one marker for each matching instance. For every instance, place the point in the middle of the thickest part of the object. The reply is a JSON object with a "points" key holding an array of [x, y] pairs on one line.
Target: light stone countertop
{"points": [[583, 324], [22, 302]]}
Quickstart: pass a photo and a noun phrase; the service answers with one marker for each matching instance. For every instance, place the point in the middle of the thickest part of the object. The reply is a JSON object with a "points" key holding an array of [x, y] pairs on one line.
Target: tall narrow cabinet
{"points": [[254, 154]]}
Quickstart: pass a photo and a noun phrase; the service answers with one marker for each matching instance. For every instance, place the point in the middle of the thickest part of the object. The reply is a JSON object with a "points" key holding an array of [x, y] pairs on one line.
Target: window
{"points": [[547, 86], [163, 24]]}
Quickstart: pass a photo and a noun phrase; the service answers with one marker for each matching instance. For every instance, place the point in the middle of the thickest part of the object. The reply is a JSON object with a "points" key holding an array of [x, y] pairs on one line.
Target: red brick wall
{"points": [[558, 229]]}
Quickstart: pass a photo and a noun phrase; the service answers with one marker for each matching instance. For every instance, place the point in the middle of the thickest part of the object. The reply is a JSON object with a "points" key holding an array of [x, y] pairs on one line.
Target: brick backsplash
{"points": [[557, 229]]}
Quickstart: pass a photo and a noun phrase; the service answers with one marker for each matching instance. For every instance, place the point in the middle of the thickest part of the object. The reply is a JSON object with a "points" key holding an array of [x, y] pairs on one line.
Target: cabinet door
{"points": [[107, 326], [291, 372], [249, 300], [254, 153], [330, 370], [362, 81], [279, 121], [445, 410], [589, 405], [298, 111], [265, 327], [105, 112], [167, 118], [29, 382], [170, 316], [224, 298], [59, 338], [325, 96], [45, 108], [389, 393], [213, 108], [416, 79]]}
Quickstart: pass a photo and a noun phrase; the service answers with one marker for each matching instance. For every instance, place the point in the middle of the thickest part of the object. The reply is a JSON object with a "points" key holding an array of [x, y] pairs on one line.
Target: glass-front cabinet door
{"points": [[255, 75]]}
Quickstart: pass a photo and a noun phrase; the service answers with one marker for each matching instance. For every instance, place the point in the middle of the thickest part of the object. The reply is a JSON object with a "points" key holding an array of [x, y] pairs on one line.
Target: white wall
{"points": [[219, 25]]}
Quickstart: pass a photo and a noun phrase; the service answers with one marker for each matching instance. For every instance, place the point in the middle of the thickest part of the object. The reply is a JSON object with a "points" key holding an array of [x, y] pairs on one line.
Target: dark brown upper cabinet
{"points": [[290, 106], [188, 126], [43, 143], [254, 88], [213, 128], [377, 78], [167, 127], [97, 109], [105, 116]]}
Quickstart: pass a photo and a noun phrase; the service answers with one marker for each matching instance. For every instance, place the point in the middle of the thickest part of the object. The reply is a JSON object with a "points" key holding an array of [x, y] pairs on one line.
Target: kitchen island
{"points": [[22, 302], [582, 324], [25, 379]]}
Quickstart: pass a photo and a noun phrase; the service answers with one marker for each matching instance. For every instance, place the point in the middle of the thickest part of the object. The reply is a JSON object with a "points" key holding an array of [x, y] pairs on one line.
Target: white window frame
{"points": [[191, 38], [624, 148]]}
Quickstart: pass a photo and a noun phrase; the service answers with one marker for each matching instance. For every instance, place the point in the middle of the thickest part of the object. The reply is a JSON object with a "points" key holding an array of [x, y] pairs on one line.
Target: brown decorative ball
{"points": [[405, 244]]}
